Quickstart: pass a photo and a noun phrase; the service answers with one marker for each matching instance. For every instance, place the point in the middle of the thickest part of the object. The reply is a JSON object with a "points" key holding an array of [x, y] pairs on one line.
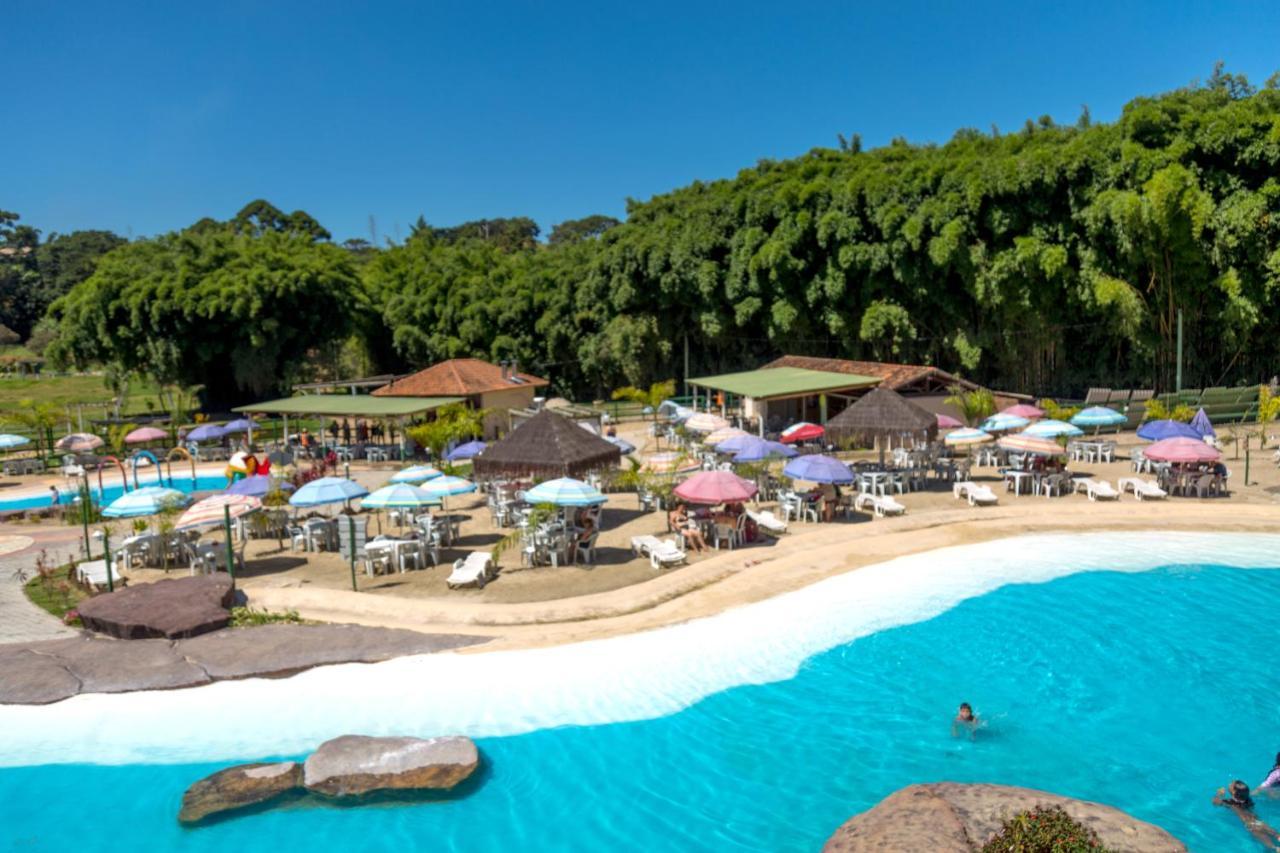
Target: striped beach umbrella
{"points": [[78, 442], [215, 509], [447, 485], [1052, 429], [148, 500], [967, 437], [1023, 443], [1097, 416], [671, 462], [399, 496], [327, 490], [705, 422], [723, 434], [1002, 422], [415, 474], [565, 491]]}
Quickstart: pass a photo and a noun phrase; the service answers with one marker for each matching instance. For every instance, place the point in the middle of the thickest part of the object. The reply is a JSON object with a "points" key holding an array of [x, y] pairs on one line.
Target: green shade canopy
{"points": [[783, 382], [349, 405]]}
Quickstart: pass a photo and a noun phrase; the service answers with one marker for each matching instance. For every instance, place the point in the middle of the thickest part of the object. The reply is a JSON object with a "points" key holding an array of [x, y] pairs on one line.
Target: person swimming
{"points": [[1241, 805], [965, 720], [1273, 779]]}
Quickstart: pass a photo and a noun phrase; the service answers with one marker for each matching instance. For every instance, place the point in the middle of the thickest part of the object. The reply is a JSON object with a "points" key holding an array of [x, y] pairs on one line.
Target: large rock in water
{"points": [[948, 817], [352, 765], [238, 787], [180, 607]]}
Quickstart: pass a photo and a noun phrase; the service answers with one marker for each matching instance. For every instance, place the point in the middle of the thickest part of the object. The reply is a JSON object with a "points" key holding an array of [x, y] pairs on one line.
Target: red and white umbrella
{"points": [[213, 510], [142, 434], [78, 442], [1183, 450], [716, 487], [803, 431]]}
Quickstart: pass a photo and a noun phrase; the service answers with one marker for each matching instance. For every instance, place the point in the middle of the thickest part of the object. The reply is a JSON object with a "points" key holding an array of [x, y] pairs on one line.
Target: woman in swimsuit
{"points": [[1241, 805]]}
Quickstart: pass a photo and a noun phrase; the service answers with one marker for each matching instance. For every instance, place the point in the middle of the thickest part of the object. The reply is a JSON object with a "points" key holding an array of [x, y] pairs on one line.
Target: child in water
{"points": [[1241, 805], [965, 720]]}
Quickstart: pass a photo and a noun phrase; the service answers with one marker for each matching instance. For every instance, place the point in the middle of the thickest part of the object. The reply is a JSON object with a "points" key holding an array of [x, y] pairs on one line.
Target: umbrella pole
{"points": [[351, 543], [231, 557]]}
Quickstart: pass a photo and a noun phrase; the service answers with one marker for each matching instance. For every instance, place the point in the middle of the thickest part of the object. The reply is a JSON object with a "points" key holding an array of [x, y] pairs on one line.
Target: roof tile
{"points": [[457, 377]]}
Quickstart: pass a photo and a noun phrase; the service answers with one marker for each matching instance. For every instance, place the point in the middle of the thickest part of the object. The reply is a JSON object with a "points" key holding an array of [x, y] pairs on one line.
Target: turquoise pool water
{"points": [[110, 491], [1146, 691]]}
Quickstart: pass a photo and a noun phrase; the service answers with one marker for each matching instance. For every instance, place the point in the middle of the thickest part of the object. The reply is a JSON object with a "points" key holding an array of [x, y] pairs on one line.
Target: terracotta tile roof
{"points": [[457, 377], [892, 376]]}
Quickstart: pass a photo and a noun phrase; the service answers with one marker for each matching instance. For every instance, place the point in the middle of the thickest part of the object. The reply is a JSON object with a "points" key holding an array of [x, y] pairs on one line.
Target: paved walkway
{"points": [[20, 620]]}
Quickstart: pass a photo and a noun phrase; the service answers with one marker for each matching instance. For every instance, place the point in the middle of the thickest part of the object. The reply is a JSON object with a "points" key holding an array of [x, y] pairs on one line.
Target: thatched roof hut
{"points": [[881, 413], [546, 445]]}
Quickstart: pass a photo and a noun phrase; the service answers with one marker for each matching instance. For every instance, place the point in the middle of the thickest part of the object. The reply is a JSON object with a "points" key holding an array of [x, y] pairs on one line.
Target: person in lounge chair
{"points": [[1241, 805], [684, 524], [965, 721]]}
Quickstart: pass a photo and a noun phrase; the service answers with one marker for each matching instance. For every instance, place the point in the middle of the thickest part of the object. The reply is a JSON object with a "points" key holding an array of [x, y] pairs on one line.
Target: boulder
{"points": [[181, 607], [948, 817], [353, 765], [237, 788]]}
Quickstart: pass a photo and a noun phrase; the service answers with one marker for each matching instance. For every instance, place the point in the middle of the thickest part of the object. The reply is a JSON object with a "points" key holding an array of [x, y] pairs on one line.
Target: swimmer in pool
{"points": [[965, 720], [1241, 805], [1271, 784]]}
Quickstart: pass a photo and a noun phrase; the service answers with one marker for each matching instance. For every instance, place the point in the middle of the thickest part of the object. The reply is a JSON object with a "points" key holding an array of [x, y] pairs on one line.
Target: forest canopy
{"points": [[1044, 260]]}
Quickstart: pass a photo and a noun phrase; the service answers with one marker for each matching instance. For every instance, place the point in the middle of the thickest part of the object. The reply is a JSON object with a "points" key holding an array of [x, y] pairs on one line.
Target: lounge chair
{"points": [[1096, 489], [975, 493], [1141, 488], [666, 553], [768, 522], [475, 570], [880, 505], [642, 546]]}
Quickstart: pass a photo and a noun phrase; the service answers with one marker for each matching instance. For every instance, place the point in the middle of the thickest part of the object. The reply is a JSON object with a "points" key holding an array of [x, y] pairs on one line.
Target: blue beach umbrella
{"points": [[1052, 429], [621, 443], [205, 432], [1002, 422], [256, 486], [565, 491], [327, 490], [415, 474], [761, 450], [738, 443], [1160, 430], [470, 450], [145, 501], [449, 485], [1097, 416], [1200, 423], [818, 469], [9, 441], [239, 425], [397, 496]]}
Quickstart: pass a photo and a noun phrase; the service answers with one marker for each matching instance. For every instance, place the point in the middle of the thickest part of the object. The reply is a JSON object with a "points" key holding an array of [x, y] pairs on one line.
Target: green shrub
{"points": [[242, 617], [1044, 829]]}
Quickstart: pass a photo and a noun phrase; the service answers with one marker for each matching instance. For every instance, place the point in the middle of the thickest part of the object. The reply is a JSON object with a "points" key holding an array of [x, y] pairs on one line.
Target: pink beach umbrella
{"points": [[1024, 410], [1182, 450], [142, 434], [716, 487], [78, 442], [948, 422]]}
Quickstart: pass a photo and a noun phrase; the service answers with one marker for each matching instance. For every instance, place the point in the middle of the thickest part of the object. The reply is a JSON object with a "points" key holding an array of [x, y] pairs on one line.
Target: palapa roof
{"points": [[882, 412], [895, 377], [546, 444], [458, 377]]}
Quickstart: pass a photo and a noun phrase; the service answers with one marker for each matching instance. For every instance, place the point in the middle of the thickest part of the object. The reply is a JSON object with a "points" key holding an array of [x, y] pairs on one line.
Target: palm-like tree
{"points": [[974, 406], [651, 397], [40, 419]]}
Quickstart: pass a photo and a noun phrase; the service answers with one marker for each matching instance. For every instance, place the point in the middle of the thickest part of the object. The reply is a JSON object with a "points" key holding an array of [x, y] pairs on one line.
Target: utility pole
{"points": [[686, 364], [1178, 382]]}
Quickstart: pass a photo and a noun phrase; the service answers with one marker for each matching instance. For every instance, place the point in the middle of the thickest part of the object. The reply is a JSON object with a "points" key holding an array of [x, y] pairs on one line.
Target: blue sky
{"points": [[144, 117]]}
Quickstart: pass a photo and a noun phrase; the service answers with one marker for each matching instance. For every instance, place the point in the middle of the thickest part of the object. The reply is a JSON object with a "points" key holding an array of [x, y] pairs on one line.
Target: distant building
{"points": [[481, 384]]}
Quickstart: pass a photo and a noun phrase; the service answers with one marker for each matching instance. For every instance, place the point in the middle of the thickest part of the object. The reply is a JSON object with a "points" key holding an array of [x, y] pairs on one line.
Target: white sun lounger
{"points": [[975, 493], [1141, 488], [642, 546], [768, 522], [666, 553], [881, 505], [1096, 489], [475, 570]]}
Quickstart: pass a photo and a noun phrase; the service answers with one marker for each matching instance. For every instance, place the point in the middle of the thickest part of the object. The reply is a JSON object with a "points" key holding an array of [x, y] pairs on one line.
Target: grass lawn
{"points": [[70, 390], [56, 593]]}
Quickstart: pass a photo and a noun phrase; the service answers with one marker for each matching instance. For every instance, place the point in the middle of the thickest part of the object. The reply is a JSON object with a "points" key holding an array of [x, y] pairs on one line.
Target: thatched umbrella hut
{"points": [[547, 445], [883, 414]]}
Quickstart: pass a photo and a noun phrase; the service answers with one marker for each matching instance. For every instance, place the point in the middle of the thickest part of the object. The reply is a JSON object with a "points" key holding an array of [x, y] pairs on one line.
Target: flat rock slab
{"points": [[949, 817], [354, 765], [173, 608], [279, 650], [50, 671], [238, 788]]}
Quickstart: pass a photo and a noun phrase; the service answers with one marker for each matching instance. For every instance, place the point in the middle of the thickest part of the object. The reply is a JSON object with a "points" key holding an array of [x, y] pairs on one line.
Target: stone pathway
{"points": [[20, 620]]}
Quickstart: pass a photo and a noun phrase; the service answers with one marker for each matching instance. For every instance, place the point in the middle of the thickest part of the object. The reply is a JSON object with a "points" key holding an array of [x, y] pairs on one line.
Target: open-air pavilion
{"points": [[393, 410], [547, 445], [781, 395], [883, 416]]}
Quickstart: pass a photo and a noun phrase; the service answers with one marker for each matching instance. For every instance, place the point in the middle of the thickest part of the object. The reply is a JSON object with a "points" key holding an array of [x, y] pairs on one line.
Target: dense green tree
{"points": [[20, 306], [576, 230]]}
